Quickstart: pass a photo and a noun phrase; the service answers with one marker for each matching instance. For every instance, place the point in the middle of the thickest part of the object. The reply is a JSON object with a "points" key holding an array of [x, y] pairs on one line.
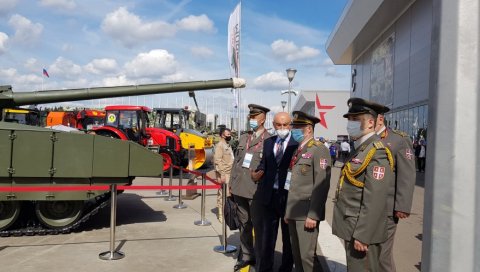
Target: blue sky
{"points": [[105, 43]]}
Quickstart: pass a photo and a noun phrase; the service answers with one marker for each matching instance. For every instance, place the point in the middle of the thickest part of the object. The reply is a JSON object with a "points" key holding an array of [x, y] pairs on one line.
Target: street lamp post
{"points": [[284, 103], [290, 74]]}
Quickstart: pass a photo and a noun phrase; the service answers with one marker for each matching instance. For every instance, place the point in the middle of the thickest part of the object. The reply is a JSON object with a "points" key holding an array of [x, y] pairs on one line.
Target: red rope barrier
{"points": [[101, 188], [198, 174]]}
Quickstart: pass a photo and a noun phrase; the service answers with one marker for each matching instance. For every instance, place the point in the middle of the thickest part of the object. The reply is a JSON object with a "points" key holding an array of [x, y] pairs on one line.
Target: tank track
{"points": [[32, 227]]}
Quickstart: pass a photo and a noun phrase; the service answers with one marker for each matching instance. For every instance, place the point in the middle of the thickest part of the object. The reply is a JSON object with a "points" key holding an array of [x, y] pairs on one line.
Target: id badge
{"points": [[247, 160], [287, 181]]}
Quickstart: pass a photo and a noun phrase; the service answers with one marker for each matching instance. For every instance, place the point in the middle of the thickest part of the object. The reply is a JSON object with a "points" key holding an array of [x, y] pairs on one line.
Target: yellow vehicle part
{"points": [[202, 145], [17, 111]]}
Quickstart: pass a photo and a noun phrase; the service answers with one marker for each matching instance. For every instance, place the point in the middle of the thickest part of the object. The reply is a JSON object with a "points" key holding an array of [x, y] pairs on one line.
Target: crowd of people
{"points": [[282, 181]]}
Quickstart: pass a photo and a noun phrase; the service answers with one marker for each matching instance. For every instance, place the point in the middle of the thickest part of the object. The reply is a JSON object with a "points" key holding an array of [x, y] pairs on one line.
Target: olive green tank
{"points": [[35, 156]]}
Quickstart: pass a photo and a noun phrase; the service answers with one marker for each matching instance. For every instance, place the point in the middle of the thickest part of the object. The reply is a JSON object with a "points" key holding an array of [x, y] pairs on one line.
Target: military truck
{"points": [[35, 156]]}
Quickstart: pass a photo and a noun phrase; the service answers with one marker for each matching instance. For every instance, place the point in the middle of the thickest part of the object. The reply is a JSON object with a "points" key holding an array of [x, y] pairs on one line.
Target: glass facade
{"points": [[413, 121]]}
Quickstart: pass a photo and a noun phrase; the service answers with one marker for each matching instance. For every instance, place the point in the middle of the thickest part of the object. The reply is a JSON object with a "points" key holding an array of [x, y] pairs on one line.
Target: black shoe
{"points": [[241, 264]]}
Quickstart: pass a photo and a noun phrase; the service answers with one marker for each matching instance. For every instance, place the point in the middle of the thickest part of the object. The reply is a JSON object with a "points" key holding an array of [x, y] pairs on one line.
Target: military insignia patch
{"points": [[378, 172], [356, 161], [304, 169], [306, 155], [409, 154], [323, 164]]}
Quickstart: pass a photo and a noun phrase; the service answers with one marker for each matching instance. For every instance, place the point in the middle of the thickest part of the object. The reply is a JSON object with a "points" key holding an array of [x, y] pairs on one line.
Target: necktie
{"points": [[279, 154]]}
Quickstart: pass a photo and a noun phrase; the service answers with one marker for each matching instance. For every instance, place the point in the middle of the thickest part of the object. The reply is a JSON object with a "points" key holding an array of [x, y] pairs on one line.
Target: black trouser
{"points": [[245, 215], [421, 164], [334, 158], [344, 155], [266, 232]]}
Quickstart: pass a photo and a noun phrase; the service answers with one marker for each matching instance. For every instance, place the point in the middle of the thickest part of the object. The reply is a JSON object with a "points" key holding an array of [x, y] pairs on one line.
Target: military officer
{"points": [[360, 211], [247, 158], [223, 160], [400, 194], [308, 182]]}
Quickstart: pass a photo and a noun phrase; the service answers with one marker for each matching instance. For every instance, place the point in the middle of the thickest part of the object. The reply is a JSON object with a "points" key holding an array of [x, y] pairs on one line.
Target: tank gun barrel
{"points": [[10, 99]]}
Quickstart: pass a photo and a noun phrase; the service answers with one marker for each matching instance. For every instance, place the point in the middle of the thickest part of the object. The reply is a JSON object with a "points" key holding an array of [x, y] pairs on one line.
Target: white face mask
{"points": [[283, 133], [354, 129]]}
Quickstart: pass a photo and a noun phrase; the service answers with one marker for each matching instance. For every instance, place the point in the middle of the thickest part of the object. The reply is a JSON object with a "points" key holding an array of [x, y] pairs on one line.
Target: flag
{"points": [[45, 73], [234, 46]]}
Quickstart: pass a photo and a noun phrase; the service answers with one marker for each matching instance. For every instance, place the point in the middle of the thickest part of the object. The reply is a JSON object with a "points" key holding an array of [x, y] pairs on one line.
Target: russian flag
{"points": [[45, 73]]}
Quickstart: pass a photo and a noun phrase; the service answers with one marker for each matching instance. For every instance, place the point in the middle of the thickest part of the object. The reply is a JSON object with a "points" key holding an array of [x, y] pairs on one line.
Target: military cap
{"points": [[358, 105], [301, 119], [256, 109]]}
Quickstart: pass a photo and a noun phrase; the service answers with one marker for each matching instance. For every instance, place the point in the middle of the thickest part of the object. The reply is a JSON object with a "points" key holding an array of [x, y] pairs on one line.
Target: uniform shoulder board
{"points": [[399, 132], [378, 145], [314, 143]]}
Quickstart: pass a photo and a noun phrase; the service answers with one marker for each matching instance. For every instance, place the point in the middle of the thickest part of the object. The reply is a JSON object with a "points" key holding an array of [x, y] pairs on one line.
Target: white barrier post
{"points": [[203, 221], [224, 247]]}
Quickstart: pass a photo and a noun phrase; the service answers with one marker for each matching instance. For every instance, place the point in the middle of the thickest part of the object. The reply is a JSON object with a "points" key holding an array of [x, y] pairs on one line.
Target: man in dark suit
{"points": [[271, 197]]}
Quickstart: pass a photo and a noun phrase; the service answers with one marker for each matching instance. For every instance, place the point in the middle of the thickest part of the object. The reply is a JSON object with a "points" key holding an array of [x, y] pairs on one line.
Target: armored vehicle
{"points": [[34, 156]]}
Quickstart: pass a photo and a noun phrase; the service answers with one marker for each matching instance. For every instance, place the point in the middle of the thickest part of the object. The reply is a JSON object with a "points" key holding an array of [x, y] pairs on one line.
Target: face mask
{"points": [[297, 134], [354, 128], [253, 124], [283, 133], [228, 138]]}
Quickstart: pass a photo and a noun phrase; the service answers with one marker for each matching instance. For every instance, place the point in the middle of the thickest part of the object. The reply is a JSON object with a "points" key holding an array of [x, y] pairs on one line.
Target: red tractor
{"points": [[132, 123]]}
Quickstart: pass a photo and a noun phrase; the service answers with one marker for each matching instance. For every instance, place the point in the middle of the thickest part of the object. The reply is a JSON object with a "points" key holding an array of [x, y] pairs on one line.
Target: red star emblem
{"points": [[322, 111]]}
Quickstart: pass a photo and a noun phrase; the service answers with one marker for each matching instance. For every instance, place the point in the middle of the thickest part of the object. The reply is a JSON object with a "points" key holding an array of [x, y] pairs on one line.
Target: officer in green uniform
{"points": [[360, 211], [400, 194], [308, 183], [247, 158]]}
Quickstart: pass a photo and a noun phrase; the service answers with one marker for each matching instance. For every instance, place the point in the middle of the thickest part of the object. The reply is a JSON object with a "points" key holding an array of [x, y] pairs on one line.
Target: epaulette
{"points": [[401, 133], [378, 145], [314, 142]]}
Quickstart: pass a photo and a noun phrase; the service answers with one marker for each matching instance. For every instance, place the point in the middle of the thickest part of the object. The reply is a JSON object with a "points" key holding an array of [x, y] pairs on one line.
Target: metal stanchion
{"points": [[224, 247], [203, 221], [170, 195], [112, 254], [180, 204], [162, 192]]}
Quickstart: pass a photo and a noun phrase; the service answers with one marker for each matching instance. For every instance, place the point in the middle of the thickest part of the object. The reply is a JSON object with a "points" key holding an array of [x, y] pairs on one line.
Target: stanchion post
{"points": [[112, 254], [162, 192], [203, 221], [224, 247], [180, 204], [170, 194]]}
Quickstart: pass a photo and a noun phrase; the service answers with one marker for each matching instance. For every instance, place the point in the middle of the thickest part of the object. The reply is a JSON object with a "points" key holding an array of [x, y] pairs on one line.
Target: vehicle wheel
{"points": [[58, 214], [9, 211], [168, 159]]}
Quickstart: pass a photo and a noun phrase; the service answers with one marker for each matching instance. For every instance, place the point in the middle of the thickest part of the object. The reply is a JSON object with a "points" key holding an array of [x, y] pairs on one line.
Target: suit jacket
{"points": [[241, 181], [270, 167], [400, 194], [361, 212], [310, 183]]}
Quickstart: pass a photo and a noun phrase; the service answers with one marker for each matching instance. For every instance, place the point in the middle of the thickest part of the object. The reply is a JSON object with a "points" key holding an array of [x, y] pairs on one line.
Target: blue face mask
{"points": [[297, 134], [253, 124]]}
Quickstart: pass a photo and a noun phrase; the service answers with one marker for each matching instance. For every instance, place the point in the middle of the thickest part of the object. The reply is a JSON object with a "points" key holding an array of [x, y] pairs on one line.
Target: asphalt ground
{"points": [[156, 237]]}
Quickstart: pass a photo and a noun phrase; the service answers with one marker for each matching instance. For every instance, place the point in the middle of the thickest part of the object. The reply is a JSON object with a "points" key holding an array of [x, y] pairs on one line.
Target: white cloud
{"points": [[156, 63], [129, 29], [328, 61], [61, 4], [196, 23], [289, 51], [117, 81], [31, 64], [101, 66], [201, 51], [7, 5], [26, 32], [3, 42], [332, 72], [64, 68], [271, 81]]}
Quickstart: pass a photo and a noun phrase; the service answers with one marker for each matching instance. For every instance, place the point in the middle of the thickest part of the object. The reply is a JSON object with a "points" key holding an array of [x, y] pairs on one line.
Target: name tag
{"points": [[247, 160], [287, 181]]}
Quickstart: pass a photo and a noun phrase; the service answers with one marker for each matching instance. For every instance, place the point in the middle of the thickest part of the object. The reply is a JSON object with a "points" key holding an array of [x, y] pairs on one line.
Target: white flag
{"points": [[234, 45]]}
